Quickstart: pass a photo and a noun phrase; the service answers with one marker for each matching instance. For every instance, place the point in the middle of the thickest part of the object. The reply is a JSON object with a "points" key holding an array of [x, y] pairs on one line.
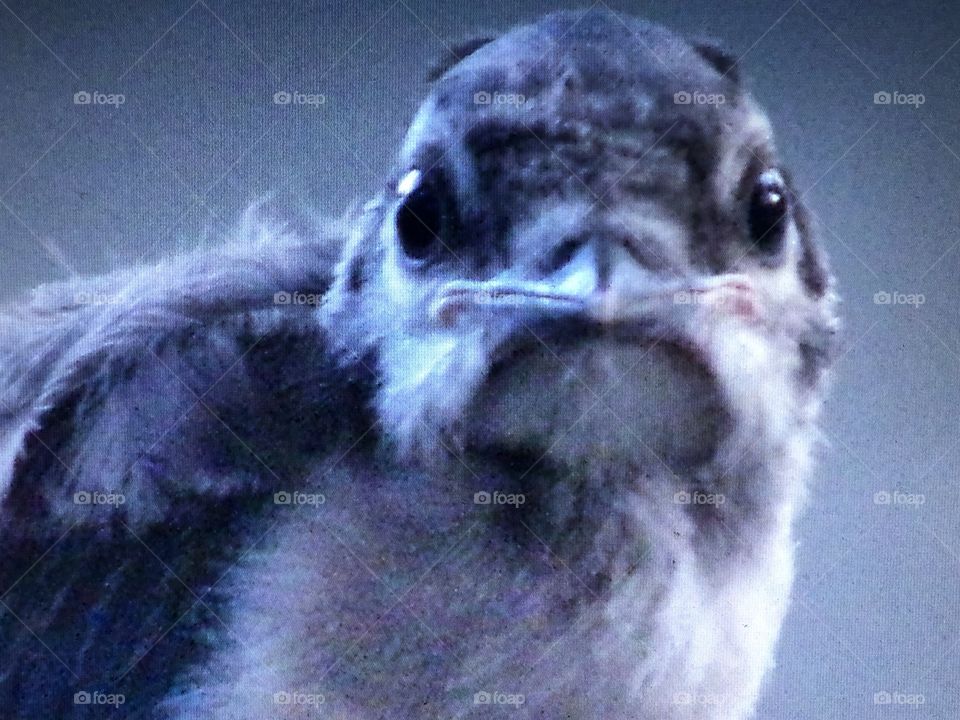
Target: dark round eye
{"points": [[769, 207], [424, 213]]}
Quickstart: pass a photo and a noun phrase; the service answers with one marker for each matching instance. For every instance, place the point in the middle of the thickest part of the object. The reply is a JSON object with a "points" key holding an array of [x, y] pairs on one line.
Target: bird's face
{"points": [[589, 250]]}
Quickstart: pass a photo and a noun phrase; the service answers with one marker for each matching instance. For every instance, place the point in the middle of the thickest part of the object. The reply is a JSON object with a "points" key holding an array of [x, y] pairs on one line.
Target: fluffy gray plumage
{"points": [[539, 418]]}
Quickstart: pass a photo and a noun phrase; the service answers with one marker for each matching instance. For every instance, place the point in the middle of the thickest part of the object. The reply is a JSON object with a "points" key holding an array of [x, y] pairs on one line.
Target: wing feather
{"points": [[140, 391]]}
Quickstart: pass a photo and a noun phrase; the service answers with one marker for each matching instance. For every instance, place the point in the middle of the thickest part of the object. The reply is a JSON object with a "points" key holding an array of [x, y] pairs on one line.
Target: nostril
{"points": [[563, 254]]}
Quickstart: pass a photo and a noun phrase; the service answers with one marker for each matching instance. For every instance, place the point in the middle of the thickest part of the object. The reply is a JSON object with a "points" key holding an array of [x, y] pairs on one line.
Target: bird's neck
{"points": [[603, 520]]}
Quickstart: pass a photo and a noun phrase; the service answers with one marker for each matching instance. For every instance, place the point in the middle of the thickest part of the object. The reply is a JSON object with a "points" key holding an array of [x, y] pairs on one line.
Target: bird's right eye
{"points": [[768, 211], [424, 214]]}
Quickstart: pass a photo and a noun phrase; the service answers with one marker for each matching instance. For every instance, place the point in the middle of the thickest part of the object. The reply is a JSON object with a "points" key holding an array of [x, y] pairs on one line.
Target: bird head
{"points": [[589, 249]]}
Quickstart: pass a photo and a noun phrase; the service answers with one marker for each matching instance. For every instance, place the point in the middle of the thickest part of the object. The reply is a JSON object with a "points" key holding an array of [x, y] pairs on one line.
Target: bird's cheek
{"points": [[732, 305]]}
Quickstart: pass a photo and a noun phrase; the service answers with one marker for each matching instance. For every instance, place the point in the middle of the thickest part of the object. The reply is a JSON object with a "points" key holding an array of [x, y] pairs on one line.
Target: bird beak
{"points": [[629, 293]]}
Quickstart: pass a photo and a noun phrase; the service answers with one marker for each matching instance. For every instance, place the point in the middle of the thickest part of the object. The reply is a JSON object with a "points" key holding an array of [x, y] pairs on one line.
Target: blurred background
{"points": [[131, 130]]}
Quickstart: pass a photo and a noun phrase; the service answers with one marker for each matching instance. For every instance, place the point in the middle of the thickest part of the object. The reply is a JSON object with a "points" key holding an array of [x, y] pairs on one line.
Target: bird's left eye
{"points": [[424, 214], [769, 207]]}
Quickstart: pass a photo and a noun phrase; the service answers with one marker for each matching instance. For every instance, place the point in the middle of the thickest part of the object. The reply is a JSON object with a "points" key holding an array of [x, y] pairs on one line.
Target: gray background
{"points": [[84, 188]]}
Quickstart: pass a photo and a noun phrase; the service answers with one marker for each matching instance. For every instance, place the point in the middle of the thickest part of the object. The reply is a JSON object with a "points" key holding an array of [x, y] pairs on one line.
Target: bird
{"points": [[525, 435]]}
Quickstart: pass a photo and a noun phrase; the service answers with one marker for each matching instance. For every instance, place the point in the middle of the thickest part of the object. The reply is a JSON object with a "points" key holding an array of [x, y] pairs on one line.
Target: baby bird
{"points": [[524, 438]]}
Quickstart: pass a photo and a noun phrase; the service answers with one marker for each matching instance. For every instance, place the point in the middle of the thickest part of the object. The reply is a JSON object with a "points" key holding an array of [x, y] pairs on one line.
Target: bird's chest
{"points": [[419, 590]]}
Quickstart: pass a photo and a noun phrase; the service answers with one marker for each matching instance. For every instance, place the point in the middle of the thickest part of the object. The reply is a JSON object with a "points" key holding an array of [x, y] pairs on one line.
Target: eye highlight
{"points": [[768, 211], [424, 214]]}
